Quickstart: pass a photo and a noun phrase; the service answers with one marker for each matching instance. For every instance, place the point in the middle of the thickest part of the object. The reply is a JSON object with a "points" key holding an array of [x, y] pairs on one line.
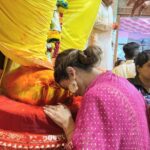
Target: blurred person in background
{"points": [[127, 69]]}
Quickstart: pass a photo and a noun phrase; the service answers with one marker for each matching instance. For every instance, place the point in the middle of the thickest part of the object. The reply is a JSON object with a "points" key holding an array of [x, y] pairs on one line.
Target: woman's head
{"points": [[142, 63], [71, 64]]}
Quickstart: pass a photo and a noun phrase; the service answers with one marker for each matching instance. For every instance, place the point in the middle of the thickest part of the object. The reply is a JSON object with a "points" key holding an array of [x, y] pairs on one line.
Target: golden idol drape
{"points": [[24, 25]]}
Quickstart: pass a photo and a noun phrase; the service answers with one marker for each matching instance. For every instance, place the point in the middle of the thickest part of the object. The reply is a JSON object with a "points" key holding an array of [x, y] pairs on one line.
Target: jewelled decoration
{"points": [[13, 140], [54, 34]]}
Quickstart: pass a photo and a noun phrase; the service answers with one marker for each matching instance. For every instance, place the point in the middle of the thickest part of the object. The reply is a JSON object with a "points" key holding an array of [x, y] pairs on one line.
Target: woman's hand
{"points": [[61, 115], [141, 4]]}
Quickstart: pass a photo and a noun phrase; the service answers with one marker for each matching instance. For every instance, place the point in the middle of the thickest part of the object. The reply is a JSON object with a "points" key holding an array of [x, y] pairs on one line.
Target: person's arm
{"points": [[88, 133], [87, 126], [61, 115], [94, 121], [104, 21]]}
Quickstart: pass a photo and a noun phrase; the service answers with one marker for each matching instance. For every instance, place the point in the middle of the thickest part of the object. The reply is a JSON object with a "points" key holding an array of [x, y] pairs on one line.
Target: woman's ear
{"points": [[71, 72]]}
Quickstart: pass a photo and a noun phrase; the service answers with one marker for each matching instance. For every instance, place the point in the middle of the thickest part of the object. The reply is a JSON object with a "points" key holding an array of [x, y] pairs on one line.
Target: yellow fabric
{"points": [[78, 21], [24, 25], [126, 70], [34, 86]]}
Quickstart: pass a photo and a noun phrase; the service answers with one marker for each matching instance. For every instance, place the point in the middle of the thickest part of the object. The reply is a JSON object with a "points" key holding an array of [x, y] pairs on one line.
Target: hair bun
{"points": [[90, 56]]}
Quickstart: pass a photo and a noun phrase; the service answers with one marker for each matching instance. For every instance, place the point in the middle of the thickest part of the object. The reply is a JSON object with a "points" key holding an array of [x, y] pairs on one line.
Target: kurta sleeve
{"points": [[108, 118], [97, 123]]}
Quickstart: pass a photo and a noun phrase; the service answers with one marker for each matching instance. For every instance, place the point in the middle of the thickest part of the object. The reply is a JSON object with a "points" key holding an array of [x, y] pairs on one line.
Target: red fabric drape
{"points": [[26, 126]]}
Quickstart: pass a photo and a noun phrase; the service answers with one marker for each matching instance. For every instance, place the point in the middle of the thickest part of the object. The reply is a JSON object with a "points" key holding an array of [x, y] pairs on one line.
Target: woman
{"points": [[142, 79], [112, 114]]}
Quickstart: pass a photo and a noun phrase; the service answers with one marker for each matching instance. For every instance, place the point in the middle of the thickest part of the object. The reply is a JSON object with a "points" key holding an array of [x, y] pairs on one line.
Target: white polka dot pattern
{"points": [[112, 117]]}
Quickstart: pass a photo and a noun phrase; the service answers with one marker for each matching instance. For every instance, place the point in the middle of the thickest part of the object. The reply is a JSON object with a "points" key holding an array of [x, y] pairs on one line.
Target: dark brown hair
{"points": [[131, 50], [75, 58], [142, 59]]}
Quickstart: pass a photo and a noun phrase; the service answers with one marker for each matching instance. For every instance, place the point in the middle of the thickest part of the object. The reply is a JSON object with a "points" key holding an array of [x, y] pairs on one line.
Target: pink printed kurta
{"points": [[112, 117]]}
